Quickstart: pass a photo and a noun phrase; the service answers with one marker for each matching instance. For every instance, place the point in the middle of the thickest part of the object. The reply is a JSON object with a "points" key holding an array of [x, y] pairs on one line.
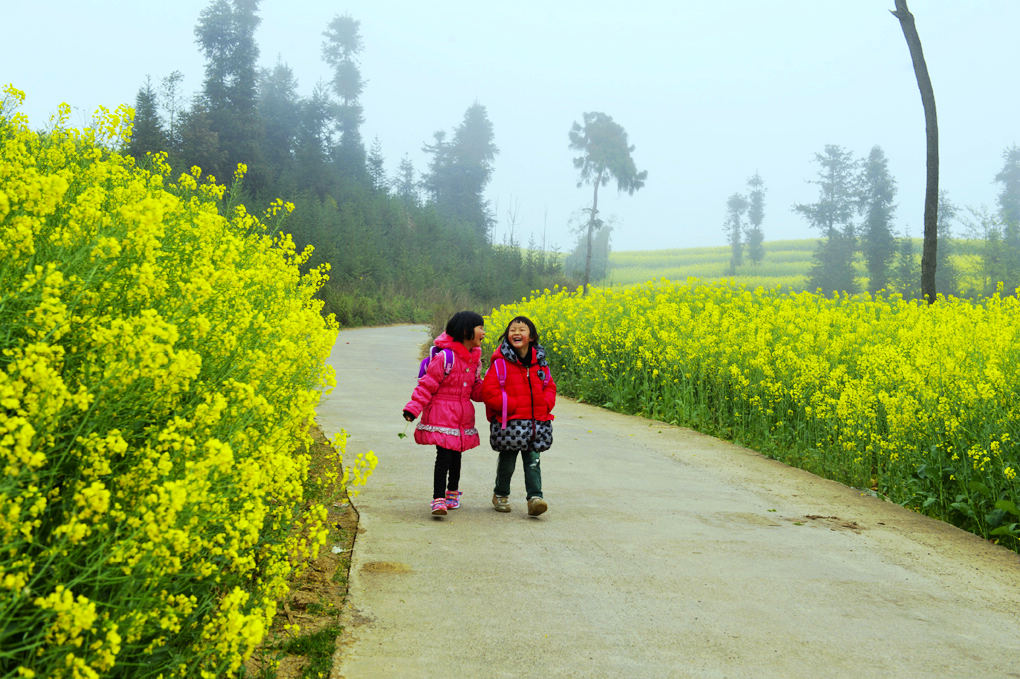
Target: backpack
{"points": [[447, 361], [544, 373]]}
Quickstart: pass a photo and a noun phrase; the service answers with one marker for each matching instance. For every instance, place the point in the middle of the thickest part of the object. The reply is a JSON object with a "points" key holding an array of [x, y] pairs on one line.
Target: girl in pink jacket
{"points": [[443, 399]]}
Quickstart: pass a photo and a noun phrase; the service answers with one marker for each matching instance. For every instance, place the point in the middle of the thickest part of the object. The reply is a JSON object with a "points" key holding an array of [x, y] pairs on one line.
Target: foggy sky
{"points": [[708, 93]]}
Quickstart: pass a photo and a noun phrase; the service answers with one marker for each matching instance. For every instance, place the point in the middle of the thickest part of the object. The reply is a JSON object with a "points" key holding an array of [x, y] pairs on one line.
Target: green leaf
{"points": [[964, 509], [1008, 529], [995, 518], [978, 487], [1007, 506]]}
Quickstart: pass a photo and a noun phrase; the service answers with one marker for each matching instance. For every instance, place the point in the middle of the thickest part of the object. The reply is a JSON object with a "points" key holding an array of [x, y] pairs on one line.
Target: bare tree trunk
{"points": [[931, 191], [591, 229]]}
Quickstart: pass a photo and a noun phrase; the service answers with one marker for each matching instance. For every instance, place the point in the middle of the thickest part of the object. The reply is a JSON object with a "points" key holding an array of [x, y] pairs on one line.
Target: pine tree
{"points": [[147, 135], [878, 189], [404, 184], [947, 276], [736, 206], [907, 271], [280, 114], [340, 50], [833, 215], [226, 34], [755, 216], [1009, 213], [460, 170], [377, 167]]}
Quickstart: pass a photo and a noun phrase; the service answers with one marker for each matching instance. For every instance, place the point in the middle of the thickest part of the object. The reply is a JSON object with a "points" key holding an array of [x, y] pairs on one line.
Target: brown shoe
{"points": [[501, 503], [536, 506]]}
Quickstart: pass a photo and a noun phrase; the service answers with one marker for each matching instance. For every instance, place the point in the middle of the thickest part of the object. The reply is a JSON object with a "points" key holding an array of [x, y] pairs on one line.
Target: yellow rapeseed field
{"points": [[918, 403], [159, 367]]}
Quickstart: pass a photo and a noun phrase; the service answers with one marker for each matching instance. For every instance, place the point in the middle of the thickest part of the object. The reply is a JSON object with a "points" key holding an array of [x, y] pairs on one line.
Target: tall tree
{"points": [[929, 250], [313, 142], [736, 206], [438, 177], [1009, 212], [460, 170], [878, 190], [1009, 178], [833, 216], [605, 155], [226, 35], [473, 151], [755, 216], [341, 50], [147, 133], [280, 113]]}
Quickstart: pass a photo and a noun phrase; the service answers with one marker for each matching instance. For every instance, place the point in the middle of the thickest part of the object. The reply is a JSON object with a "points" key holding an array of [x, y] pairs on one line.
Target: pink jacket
{"points": [[444, 401]]}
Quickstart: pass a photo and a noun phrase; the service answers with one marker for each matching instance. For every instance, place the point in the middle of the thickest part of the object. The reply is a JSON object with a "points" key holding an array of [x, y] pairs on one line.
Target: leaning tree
{"points": [[605, 155], [931, 192]]}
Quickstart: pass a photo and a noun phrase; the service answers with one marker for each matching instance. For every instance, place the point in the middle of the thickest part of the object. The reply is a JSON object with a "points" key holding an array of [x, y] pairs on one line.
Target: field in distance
{"points": [[786, 263]]}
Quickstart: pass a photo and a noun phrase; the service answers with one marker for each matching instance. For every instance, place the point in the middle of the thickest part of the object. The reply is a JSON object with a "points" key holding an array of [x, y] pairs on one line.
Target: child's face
{"points": [[476, 339], [519, 337]]}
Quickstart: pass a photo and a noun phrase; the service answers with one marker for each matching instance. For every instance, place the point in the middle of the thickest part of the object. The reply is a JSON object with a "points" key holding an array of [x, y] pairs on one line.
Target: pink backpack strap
{"points": [[500, 365]]}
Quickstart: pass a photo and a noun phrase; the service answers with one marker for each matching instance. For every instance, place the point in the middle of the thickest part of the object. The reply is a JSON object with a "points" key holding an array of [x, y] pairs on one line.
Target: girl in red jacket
{"points": [[519, 395], [443, 399]]}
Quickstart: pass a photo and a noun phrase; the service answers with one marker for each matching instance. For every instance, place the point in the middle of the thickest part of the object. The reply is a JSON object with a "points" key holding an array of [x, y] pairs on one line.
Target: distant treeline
{"points": [[401, 248], [860, 248]]}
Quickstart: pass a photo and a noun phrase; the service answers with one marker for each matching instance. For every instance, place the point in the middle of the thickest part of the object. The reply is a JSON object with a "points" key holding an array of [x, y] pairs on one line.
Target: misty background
{"points": [[709, 93]]}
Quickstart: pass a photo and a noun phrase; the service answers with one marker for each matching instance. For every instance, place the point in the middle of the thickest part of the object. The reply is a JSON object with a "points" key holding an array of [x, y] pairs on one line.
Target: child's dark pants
{"points": [[531, 462], [447, 465]]}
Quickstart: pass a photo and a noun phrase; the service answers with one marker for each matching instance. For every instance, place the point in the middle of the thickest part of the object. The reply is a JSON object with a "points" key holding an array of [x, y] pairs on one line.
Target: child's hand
{"points": [[408, 416]]}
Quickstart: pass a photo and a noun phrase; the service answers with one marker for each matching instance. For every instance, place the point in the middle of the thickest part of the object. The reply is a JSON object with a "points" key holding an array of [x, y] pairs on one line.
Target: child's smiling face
{"points": [[519, 337]]}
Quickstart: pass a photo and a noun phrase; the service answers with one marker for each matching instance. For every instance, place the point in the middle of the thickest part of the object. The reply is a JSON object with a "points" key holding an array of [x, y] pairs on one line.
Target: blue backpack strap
{"points": [[500, 365]]}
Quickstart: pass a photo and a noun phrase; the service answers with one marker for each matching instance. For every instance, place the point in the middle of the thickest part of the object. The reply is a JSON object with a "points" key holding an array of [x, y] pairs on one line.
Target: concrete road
{"points": [[664, 553]]}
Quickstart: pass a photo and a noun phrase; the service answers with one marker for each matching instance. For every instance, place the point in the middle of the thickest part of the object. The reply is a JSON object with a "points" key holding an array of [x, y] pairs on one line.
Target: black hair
{"points": [[532, 330], [461, 326]]}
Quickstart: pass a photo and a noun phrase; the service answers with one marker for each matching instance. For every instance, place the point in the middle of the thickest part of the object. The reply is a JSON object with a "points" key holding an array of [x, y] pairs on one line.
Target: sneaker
{"points": [[501, 503], [439, 507], [453, 499], [536, 506]]}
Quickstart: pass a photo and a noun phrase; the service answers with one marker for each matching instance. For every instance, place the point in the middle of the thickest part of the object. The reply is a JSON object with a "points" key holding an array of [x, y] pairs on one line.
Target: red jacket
{"points": [[528, 396]]}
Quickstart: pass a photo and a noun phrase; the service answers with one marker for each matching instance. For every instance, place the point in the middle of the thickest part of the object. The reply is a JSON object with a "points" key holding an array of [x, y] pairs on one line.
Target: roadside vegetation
{"points": [[162, 356], [916, 403]]}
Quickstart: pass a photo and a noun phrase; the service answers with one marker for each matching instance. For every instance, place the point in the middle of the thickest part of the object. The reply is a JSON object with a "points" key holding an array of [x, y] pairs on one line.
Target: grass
{"points": [[785, 263]]}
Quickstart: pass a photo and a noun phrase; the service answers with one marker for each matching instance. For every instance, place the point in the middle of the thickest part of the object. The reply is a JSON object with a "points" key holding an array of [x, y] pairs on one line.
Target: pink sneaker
{"points": [[453, 499], [439, 507]]}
